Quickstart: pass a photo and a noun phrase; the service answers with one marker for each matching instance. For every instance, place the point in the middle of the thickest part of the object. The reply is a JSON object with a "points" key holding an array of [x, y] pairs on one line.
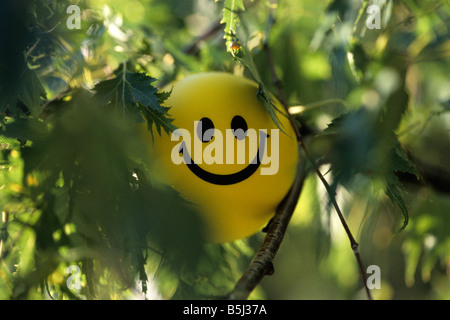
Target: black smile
{"points": [[225, 179]]}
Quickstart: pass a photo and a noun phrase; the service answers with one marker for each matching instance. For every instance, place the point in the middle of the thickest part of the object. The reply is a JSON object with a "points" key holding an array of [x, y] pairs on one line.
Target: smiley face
{"points": [[205, 132], [227, 156]]}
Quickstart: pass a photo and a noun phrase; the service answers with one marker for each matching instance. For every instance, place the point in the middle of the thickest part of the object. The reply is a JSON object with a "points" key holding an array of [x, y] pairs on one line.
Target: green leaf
{"points": [[24, 129], [32, 91], [399, 162], [128, 89], [133, 92], [231, 19], [159, 120], [394, 190], [28, 90], [355, 142], [263, 94]]}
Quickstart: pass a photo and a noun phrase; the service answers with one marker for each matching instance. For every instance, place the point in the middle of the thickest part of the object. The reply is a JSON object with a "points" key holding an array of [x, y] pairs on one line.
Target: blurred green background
{"points": [[373, 106]]}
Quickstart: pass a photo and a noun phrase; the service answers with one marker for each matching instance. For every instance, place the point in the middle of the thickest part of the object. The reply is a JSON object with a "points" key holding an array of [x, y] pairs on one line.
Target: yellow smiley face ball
{"points": [[226, 156]]}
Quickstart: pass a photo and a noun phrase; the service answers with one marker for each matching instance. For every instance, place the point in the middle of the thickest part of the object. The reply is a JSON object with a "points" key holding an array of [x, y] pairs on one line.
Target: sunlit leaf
{"points": [[231, 11], [132, 92]]}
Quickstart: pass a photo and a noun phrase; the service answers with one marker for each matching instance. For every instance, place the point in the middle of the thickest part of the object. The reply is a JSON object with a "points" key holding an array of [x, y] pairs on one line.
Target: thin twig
{"points": [[3, 231], [354, 245], [262, 263], [278, 84], [307, 107], [192, 48]]}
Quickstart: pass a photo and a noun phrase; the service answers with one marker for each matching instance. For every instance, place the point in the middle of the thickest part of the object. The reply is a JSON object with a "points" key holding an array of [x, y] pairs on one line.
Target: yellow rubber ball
{"points": [[226, 156]]}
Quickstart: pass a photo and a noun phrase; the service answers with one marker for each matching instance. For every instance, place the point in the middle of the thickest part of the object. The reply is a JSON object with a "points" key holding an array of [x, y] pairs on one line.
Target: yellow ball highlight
{"points": [[227, 156]]}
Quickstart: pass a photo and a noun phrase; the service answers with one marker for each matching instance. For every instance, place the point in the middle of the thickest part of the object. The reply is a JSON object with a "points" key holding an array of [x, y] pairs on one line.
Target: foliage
{"points": [[76, 188]]}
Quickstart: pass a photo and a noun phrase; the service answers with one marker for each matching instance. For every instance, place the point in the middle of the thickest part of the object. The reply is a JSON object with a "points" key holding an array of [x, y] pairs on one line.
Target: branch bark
{"points": [[262, 263], [278, 84]]}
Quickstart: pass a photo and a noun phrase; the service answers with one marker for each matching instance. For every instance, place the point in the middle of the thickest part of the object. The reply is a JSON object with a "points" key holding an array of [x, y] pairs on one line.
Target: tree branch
{"points": [[262, 263], [192, 48], [278, 84]]}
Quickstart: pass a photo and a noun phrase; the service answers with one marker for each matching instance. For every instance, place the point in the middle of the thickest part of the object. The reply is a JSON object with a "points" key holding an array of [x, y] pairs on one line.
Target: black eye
{"points": [[205, 129], [239, 127]]}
